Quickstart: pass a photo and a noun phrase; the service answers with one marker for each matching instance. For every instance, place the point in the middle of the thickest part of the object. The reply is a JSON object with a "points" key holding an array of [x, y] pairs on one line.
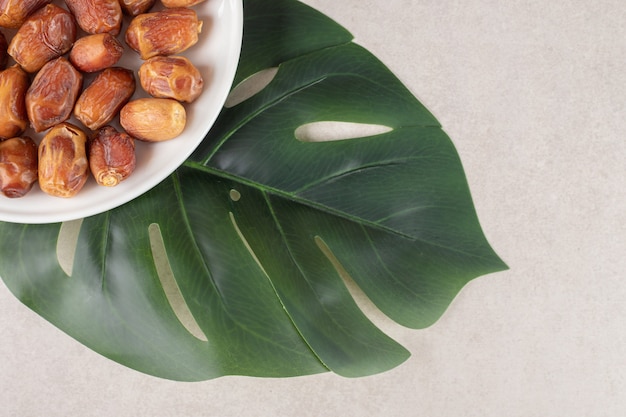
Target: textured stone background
{"points": [[533, 94]]}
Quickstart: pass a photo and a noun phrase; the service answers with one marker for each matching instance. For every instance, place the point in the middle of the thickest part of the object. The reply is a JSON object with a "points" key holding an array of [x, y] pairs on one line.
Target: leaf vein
{"points": [[355, 170]]}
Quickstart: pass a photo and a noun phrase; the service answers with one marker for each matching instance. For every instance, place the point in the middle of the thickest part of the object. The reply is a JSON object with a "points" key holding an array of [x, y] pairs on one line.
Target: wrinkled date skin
{"points": [[18, 166], [63, 167], [97, 16], [136, 7], [46, 34], [102, 100], [171, 77], [166, 32], [153, 119], [52, 94], [111, 156], [96, 52], [14, 83], [14, 12]]}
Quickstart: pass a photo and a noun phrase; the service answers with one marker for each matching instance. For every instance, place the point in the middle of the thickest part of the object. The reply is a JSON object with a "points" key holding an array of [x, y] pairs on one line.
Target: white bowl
{"points": [[216, 55]]}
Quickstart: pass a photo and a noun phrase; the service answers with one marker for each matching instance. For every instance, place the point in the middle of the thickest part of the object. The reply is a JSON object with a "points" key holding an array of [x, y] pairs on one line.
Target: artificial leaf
{"points": [[237, 263]]}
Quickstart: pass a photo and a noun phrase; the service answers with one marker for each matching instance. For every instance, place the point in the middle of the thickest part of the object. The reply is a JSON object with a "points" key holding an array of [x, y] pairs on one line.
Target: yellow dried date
{"points": [[18, 166], [46, 34], [102, 100], [14, 83], [153, 119], [166, 32], [63, 167]]}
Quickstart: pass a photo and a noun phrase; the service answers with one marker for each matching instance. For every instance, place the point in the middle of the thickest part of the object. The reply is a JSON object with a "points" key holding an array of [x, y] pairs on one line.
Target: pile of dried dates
{"points": [[41, 86]]}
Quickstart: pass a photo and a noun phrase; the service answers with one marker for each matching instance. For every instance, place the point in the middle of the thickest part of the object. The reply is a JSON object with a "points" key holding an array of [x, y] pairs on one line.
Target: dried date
{"points": [[14, 12], [153, 119], [46, 34], [14, 83], [52, 94], [136, 7], [63, 168], [180, 3], [18, 166], [102, 100], [97, 16], [171, 77], [111, 156], [166, 32], [96, 52]]}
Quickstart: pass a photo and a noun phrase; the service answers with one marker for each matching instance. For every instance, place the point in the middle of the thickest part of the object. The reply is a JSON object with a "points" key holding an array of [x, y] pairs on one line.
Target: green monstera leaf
{"points": [[237, 263]]}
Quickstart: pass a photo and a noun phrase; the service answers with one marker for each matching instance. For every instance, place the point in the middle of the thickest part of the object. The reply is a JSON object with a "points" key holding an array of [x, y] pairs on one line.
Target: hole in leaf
{"points": [[235, 195], [245, 242], [333, 131], [371, 311], [66, 244], [250, 86], [170, 286]]}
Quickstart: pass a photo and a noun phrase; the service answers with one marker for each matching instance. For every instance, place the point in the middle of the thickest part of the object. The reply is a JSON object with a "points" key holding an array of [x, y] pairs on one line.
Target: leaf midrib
{"points": [[324, 208]]}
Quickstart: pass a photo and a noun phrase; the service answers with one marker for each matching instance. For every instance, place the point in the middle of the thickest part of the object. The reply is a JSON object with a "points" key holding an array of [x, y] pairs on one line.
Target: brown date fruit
{"points": [[46, 34], [52, 94], [63, 167], [180, 3], [96, 52], [166, 32], [111, 156], [102, 100], [4, 56], [14, 12], [97, 16], [18, 166], [136, 7], [171, 77], [153, 119], [14, 83]]}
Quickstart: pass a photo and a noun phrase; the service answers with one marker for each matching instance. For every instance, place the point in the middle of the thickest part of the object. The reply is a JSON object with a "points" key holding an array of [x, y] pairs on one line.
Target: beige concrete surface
{"points": [[533, 94]]}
